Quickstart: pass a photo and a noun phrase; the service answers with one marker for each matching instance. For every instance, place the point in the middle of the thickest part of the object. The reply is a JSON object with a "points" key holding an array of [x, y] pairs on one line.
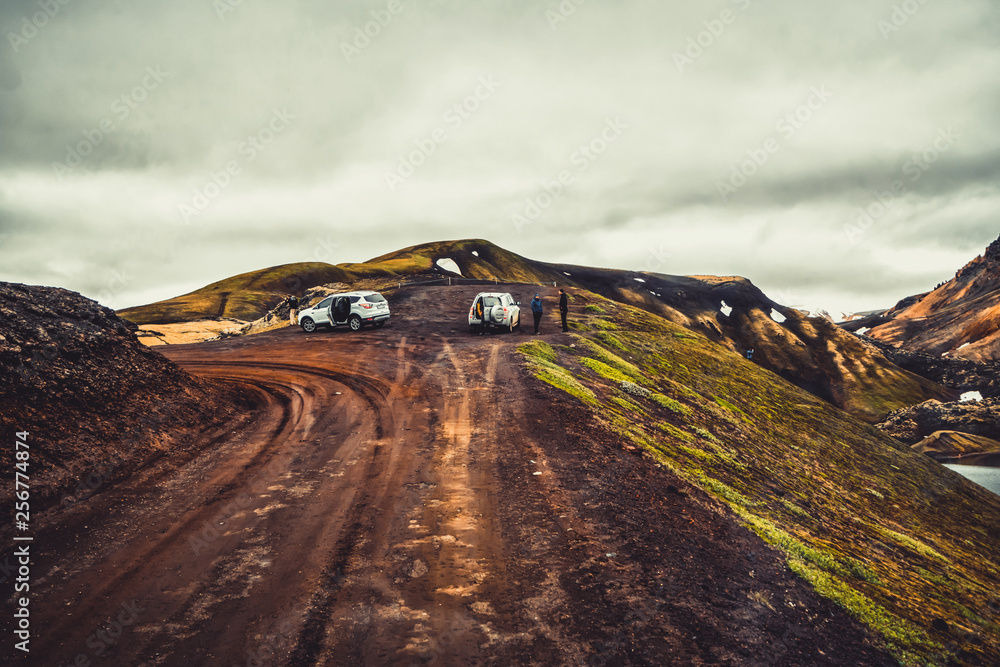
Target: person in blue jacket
{"points": [[536, 310]]}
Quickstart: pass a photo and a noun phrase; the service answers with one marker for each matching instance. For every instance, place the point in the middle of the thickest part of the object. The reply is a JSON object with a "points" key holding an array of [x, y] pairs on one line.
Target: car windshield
{"points": [[374, 298]]}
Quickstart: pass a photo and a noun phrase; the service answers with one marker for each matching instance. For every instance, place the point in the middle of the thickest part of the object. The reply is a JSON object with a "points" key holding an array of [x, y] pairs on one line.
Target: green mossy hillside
{"points": [[907, 547]]}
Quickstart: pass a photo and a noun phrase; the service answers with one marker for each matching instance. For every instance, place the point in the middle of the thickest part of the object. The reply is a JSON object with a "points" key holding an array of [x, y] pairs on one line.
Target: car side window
{"points": [[325, 303], [355, 299]]}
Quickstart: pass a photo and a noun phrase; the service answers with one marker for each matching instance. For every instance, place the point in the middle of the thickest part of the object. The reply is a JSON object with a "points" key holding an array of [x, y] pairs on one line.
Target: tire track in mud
{"points": [[284, 402], [453, 552], [129, 570]]}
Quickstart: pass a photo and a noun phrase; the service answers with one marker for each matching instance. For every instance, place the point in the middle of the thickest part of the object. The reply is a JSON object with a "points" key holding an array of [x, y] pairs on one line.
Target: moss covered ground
{"points": [[905, 546]]}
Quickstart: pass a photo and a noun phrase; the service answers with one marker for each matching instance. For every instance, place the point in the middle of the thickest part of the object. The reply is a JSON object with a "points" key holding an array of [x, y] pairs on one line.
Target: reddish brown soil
{"points": [[380, 506]]}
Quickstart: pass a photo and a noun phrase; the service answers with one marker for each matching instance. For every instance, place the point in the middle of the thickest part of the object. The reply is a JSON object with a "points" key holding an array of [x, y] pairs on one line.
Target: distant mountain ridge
{"points": [[812, 353], [961, 318]]}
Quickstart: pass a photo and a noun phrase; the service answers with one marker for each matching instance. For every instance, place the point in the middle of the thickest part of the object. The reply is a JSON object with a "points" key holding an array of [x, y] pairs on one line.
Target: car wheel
{"points": [[308, 325], [355, 323], [510, 326]]}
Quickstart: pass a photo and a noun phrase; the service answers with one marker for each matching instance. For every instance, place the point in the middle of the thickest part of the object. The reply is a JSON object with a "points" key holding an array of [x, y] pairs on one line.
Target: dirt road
{"points": [[408, 496]]}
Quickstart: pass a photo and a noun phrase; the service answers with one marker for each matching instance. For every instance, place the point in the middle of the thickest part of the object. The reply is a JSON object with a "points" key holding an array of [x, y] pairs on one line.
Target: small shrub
{"points": [[604, 370], [627, 405], [610, 340], [634, 389], [670, 404], [913, 545], [729, 406], [675, 432], [536, 355], [697, 453], [538, 349], [794, 509], [703, 433], [591, 308], [725, 492]]}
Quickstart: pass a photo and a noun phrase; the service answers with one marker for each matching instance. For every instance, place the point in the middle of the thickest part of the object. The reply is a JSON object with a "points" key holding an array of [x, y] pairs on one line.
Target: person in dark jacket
{"points": [[536, 310], [293, 309], [563, 308]]}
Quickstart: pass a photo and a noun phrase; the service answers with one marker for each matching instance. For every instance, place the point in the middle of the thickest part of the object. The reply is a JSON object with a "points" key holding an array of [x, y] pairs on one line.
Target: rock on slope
{"points": [[953, 446], [954, 372], [960, 318], [96, 402], [913, 424]]}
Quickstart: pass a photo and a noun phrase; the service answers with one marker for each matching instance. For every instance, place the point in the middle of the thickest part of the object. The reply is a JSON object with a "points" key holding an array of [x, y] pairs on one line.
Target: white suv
{"points": [[355, 309], [494, 310]]}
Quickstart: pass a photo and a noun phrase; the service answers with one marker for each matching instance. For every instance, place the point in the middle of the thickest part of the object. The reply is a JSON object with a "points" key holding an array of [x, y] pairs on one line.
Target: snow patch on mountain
{"points": [[448, 264]]}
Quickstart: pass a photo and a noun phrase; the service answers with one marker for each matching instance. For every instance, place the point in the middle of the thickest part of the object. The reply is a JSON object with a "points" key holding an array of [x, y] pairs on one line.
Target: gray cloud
{"points": [[165, 97]]}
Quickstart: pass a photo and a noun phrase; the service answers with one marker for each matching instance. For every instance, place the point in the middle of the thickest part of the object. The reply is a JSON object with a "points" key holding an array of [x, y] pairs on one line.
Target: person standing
{"points": [[563, 308], [536, 310], [293, 309]]}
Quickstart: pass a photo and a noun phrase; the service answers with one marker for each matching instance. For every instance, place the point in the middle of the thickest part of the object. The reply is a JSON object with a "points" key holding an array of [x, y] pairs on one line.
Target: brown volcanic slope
{"points": [[809, 352], [961, 318], [96, 402]]}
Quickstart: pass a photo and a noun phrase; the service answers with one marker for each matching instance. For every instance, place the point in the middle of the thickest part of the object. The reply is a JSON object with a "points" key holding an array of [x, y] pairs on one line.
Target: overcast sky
{"points": [[149, 148]]}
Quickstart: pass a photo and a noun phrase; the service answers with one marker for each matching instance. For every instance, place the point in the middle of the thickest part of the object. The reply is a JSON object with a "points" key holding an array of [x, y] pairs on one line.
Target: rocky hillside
{"points": [[960, 318], [96, 402], [955, 373], [913, 424]]}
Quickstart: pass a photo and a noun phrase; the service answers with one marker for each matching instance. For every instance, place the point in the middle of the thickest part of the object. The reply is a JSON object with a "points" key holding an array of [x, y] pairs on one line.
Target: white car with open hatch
{"points": [[494, 310], [351, 309]]}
